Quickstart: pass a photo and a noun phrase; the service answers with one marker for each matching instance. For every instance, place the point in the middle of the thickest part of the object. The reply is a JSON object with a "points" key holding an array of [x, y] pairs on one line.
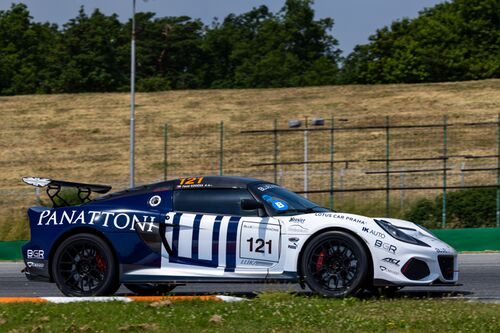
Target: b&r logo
{"points": [[386, 246], [35, 254]]}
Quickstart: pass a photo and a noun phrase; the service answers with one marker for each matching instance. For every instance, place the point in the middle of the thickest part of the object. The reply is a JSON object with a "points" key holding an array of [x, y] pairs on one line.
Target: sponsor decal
{"points": [[193, 182], [293, 241], [352, 219], [250, 262], [279, 205], [266, 187], [259, 241], [297, 220], [155, 201], [118, 220], [193, 186], [441, 250], [385, 269], [35, 264], [35, 254], [341, 216], [374, 232], [392, 261], [386, 246]]}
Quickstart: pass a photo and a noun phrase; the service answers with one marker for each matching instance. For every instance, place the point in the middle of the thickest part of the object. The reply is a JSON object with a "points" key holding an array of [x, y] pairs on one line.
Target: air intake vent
{"points": [[415, 269], [446, 266]]}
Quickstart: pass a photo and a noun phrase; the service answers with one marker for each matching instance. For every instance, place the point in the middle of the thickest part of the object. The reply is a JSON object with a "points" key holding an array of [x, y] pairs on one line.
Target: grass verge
{"points": [[276, 312]]}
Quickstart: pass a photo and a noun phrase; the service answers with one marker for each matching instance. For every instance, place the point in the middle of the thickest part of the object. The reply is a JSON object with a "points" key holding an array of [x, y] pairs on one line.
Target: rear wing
{"points": [[54, 189]]}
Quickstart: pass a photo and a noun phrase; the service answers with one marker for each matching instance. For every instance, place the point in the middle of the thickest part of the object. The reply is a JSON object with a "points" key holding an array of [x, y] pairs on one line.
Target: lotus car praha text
{"points": [[222, 229]]}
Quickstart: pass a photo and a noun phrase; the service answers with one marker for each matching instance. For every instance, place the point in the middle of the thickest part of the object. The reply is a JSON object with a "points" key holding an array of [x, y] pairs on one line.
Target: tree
{"points": [[261, 49], [459, 40], [169, 52], [92, 53], [26, 52], [91, 49]]}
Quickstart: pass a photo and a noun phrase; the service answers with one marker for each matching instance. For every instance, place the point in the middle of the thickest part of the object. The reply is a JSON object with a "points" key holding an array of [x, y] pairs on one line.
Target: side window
{"points": [[213, 201]]}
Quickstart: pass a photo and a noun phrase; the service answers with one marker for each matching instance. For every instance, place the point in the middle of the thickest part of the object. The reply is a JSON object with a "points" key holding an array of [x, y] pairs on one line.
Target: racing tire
{"points": [[150, 289], [334, 264], [84, 265]]}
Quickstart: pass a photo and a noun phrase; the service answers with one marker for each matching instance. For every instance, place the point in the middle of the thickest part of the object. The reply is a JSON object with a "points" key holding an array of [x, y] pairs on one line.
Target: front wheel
{"points": [[83, 265], [334, 264]]}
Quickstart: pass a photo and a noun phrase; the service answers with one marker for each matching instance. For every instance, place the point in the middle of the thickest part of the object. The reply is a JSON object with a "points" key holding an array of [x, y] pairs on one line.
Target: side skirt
{"points": [[286, 277]]}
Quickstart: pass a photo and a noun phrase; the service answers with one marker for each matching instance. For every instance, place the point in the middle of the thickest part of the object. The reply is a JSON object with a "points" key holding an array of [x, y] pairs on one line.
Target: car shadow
{"points": [[407, 294]]}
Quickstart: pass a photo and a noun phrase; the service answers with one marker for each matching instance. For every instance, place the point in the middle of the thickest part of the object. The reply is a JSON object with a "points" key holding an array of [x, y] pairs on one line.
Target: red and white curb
{"points": [[125, 299]]}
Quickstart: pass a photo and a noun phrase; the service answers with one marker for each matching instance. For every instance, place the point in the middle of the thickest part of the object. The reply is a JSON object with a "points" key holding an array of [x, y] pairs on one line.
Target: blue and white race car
{"points": [[222, 229]]}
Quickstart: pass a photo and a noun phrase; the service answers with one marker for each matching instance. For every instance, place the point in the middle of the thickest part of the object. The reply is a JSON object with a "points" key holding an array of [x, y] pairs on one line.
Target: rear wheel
{"points": [[334, 264], [83, 265], [150, 289]]}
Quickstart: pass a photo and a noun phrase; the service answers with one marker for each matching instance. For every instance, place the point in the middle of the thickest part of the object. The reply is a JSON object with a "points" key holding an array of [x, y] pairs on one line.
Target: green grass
{"points": [[276, 312]]}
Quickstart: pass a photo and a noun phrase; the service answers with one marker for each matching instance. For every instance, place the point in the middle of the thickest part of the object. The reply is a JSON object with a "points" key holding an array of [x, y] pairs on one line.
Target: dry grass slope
{"points": [[85, 137]]}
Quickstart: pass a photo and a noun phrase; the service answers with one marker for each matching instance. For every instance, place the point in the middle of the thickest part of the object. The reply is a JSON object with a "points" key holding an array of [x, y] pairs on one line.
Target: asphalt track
{"points": [[479, 276]]}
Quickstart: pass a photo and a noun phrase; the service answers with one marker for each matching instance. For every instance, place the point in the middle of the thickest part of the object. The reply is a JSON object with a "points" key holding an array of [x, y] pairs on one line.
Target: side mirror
{"points": [[251, 204]]}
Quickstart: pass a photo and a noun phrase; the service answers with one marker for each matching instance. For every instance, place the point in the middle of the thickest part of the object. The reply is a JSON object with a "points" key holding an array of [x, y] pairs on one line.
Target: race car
{"points": [[222, 229]]}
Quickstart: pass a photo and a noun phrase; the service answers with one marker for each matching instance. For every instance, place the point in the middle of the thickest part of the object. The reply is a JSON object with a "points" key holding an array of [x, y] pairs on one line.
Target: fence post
{"points": [[306, 159], [387, 166], [462, 174], [275, 151], [341, 193], [221, 151], [165, 146], [498, 173], [445, 153], [402, 191], [332, 150]]}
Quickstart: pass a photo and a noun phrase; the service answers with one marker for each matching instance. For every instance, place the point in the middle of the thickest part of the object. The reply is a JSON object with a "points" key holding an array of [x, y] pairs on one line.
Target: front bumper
{"points": [[412, 265], [36, 270]]}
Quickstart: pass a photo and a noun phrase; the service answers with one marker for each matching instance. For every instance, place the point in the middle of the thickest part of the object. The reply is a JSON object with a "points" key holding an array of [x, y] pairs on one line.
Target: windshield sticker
{"points": [[266, 187], [195, 182], [279, 205], [266, 197]]}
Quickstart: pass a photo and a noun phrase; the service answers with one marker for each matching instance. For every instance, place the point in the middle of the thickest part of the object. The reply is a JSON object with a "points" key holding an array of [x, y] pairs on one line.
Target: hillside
{"points": [[85, 137]]}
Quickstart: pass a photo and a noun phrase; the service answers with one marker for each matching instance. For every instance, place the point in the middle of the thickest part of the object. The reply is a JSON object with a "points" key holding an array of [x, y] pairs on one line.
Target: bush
{"points": [[471, 208], [14, 225]]}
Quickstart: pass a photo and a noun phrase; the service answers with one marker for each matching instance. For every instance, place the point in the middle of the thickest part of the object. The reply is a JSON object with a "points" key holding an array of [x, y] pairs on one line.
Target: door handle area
{"points": [[163, 236]]}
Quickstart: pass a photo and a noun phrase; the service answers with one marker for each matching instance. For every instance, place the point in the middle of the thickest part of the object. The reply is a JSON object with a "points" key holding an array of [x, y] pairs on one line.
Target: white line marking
{"points": [[63, 300], [230, 298]]}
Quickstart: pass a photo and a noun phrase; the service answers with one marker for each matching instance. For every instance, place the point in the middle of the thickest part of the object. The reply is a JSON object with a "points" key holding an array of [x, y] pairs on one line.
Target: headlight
{"points": [[398, 234], [426, 230]]}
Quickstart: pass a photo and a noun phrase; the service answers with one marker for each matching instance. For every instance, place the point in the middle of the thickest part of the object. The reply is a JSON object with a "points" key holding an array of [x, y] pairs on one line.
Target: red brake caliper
{"points": [[319, 262], [101, 264]]}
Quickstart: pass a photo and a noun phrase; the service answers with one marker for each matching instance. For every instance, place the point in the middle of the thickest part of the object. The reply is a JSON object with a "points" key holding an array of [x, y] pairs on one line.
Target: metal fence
{"points": [[384, 161]]}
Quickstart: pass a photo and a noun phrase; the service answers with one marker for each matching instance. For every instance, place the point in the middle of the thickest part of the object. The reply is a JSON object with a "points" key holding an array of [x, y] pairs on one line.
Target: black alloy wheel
{"points": [[83, 265], [150, 289], [334, 264]]}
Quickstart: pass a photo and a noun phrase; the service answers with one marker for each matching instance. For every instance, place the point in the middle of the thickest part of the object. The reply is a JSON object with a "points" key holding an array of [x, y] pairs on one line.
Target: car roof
{"points": [[204, 182]]}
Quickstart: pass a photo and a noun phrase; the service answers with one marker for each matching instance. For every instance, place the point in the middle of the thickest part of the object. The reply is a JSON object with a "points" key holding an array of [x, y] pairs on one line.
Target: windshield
{"points": [[283, 202]]}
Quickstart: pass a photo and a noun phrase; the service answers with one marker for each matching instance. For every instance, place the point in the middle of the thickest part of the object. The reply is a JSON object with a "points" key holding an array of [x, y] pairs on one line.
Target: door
{"points": [[208, 228]]}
